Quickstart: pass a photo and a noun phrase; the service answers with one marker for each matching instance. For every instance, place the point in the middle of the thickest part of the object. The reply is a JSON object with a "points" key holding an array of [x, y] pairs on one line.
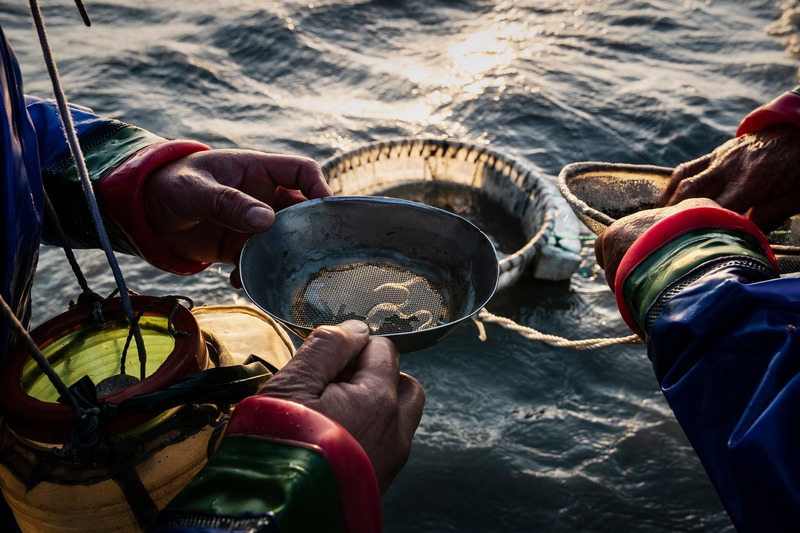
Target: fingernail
{"points": [[258, 217], [356, 326]]}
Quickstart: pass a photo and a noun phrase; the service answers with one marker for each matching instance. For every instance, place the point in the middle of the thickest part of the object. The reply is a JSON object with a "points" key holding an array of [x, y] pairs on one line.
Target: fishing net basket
{"points": [[602, 193], [410, 271], [513, 203]]}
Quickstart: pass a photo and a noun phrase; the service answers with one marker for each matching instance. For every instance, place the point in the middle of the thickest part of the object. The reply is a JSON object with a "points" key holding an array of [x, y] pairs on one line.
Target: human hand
{"points": [[354, 379], [611, 246], [204, 206], [758, 172]]}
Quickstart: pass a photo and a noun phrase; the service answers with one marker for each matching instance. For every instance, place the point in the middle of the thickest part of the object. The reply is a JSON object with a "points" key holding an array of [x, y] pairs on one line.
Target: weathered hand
{"points": [[611, 246], [204, 206], [757, 172], [354, 379]]}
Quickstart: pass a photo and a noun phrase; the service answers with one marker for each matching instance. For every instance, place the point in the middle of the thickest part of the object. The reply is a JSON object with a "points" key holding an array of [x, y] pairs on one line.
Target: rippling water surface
{"points": [[517, 435]]}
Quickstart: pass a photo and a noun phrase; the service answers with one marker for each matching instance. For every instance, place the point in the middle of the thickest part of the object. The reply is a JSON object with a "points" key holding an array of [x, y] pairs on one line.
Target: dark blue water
{"points": [[517, 435]]}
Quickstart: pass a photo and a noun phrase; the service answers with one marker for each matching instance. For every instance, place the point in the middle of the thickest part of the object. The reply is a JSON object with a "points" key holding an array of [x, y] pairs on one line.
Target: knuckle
{"points": [[311, 164], [227, 202], [326, 336], [686, 186], [680, 171], [385, 345]]}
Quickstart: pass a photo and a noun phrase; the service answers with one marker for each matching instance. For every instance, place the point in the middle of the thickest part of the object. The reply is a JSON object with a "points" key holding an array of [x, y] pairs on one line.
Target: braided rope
{"points": [[553, 340]]}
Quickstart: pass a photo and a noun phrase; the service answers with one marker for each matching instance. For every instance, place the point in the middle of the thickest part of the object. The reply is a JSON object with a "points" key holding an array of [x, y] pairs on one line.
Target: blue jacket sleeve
{"points": [[723, 336], [106, 144], [50, 133], [727, 355]]}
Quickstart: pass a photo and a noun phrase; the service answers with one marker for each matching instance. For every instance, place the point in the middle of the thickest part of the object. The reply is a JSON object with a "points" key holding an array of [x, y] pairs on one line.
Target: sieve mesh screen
{"points": [[388, 298]]}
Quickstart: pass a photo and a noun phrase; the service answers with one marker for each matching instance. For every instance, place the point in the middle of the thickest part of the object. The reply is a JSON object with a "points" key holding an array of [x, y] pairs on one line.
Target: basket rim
{"points": [[585, 167]]}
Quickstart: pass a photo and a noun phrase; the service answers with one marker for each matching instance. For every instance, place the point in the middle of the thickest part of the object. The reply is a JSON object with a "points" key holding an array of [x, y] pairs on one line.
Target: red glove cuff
{"points": [[671, 228], [783, 109], [121, 193], [285, 421]]}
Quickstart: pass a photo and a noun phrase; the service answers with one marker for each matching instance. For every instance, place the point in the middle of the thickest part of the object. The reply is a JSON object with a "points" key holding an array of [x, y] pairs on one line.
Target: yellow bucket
{"points": [[49, 491]]}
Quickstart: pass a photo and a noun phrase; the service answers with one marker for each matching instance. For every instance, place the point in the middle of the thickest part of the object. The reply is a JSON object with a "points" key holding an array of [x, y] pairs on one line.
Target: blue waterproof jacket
{"points": [[726, 350]]}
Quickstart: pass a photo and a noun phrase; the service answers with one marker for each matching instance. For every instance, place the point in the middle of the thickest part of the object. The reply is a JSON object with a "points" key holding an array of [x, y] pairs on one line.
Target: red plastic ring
{"points": [[51, 422]]}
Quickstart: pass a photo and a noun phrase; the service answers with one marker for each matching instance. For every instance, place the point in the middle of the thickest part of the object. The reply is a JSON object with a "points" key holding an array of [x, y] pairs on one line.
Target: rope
{"points": [[170, 328], [554, 340], [84, 15], [83, 172], [88, 295]]}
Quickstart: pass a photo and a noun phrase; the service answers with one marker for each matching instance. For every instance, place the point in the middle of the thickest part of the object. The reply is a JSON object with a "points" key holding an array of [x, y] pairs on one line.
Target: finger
{"points": [[411, 401], [229, 207], [737, 199], [682, 172], [299, 173], [709, 183], [598, 249], [287, 197], [609, 271]]}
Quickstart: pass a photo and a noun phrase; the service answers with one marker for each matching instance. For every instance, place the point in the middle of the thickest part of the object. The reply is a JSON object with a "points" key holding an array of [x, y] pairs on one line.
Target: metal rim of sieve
{"points": [[441, 247]]}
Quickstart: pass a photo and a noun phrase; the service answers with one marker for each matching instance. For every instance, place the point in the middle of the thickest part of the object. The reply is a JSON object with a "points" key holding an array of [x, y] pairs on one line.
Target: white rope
{"points": [[553, 340]]}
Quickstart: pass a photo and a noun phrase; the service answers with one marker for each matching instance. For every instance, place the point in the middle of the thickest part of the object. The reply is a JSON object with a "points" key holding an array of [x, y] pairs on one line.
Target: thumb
{"points": [[235, 210], [320, 360]]}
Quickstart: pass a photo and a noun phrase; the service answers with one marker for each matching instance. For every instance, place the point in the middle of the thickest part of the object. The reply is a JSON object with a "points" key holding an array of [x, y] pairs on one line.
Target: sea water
{"points": [[517, 435]]}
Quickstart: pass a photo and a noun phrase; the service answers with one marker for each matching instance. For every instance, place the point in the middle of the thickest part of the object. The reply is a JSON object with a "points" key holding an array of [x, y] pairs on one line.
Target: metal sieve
{"points": [[602, 193], [412, 272]]}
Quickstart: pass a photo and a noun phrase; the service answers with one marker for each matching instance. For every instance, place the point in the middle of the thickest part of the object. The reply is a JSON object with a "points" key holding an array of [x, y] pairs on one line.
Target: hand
{"points": [[756, 172], [204, 206], [612, 245], [354, 379]]}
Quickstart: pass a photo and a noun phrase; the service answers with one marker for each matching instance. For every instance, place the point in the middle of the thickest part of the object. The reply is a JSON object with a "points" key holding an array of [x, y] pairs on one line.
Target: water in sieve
{"points": [[388, 298]]}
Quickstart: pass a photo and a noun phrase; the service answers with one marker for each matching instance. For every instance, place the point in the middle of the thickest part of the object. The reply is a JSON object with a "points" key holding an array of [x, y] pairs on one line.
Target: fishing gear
{"points": [[83, 444], [602, 193]]}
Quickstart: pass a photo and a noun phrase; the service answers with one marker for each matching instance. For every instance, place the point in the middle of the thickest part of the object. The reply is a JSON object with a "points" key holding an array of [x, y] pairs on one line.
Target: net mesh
{"points": [[388, 298], [601, 193]]}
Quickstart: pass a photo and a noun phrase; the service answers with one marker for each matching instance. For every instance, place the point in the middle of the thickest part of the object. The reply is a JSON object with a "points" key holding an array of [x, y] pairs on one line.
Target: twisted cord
{"points": [[83, 172], [554, 340], [170, 328]]}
